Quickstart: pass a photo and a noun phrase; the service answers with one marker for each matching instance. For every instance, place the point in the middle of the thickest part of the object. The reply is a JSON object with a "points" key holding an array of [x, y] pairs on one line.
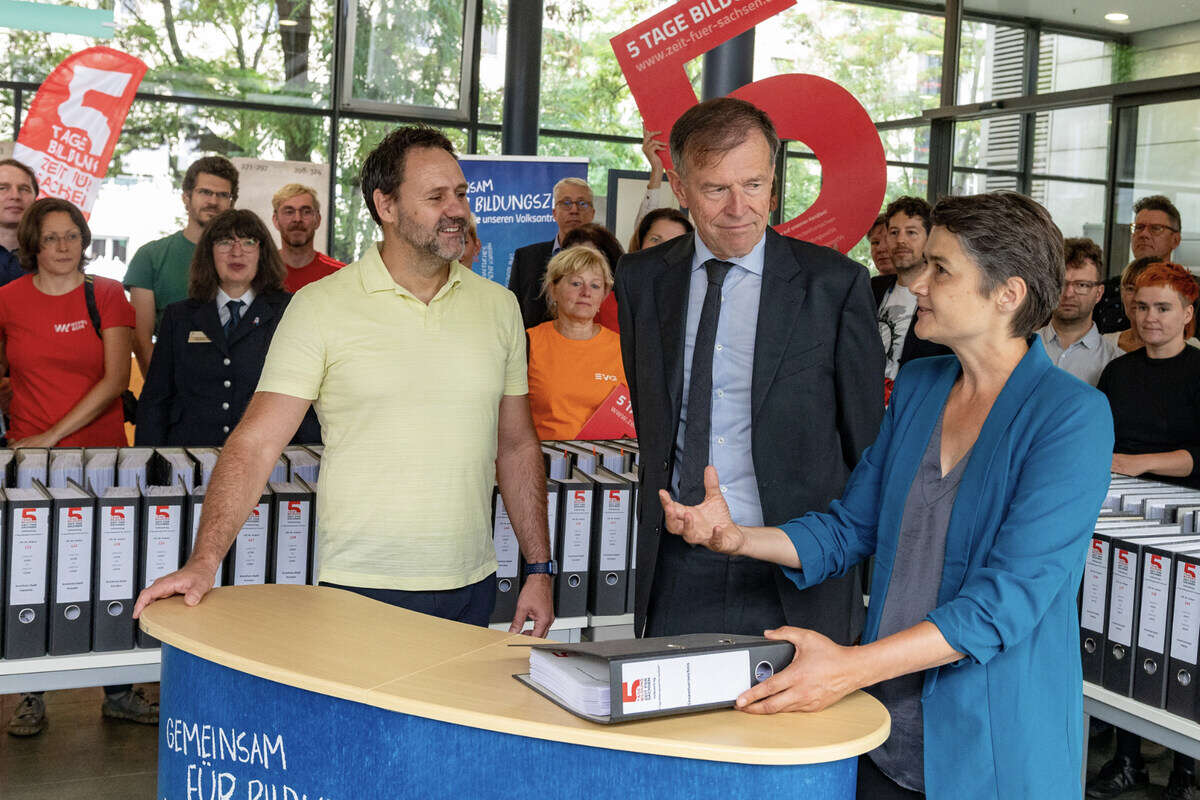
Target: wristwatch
{"points": [[541, 568]]}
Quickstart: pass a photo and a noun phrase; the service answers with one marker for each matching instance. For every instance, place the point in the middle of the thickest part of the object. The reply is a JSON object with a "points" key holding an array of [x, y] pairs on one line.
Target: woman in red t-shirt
{"points": [[66, 380]]}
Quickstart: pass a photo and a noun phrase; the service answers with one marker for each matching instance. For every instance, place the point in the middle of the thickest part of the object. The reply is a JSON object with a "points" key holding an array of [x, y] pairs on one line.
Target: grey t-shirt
{"points": [[911, 594]]}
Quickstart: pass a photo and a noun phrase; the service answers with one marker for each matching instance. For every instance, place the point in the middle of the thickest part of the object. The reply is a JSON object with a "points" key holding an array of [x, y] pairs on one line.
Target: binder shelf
{"points": [[72, 672], [327, 693]]}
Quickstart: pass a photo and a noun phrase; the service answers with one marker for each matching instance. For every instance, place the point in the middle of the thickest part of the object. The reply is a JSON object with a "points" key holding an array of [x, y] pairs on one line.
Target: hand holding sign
{"points": [[805, 108]]}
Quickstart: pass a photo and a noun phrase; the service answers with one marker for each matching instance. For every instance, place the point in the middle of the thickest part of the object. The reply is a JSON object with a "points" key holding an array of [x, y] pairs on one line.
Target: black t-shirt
{"points": [[1156, 404]]}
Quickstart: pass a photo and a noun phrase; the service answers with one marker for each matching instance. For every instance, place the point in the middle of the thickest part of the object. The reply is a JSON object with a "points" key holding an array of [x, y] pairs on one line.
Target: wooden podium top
{"points": [[344, 645]]}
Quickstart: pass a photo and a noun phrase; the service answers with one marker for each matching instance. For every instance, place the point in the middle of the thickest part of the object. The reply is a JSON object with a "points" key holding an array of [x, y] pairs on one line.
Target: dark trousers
{"points": [[698, 591], [874, 785], [471, 604], [1129, 745]]}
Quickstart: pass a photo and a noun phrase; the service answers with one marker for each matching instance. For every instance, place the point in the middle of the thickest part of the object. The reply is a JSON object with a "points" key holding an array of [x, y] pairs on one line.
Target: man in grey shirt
{"points": [[1072, 339]]}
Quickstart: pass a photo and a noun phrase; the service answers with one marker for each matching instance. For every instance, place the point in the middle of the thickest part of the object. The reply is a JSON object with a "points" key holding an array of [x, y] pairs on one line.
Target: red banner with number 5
{"points": [[805, 108], [72, 127]]}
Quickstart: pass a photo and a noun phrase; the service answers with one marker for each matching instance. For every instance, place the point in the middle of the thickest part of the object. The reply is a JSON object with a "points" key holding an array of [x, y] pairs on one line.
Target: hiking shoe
{"points": [[29, 718], [131, 705]]}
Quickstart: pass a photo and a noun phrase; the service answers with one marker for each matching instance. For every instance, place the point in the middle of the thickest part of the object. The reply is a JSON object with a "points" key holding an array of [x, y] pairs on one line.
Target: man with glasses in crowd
{"points": [[158, 273], [1072, 339], [573, 206], [297, 218], [1155, 232], [18, 190]]}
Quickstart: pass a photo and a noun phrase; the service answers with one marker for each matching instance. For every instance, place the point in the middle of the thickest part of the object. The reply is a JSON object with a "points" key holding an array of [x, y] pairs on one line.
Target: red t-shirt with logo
{"points": [[318, 268], [55, 358]]}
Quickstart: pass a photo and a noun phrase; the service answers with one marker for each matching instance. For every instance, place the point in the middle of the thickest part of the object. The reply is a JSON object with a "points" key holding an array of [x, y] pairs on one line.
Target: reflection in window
{"points": [[1072, 62], [991, 143], [408, 52], [1072, 142], [991, 62], [1077, 208]]}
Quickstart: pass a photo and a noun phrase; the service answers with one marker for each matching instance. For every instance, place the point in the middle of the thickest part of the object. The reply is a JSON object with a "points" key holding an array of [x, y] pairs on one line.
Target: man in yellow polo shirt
{"points": [[416, 368]]}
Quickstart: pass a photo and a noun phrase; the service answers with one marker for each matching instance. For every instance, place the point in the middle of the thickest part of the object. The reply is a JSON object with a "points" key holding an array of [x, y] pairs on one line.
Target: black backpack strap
{"points": [[89, 295]]}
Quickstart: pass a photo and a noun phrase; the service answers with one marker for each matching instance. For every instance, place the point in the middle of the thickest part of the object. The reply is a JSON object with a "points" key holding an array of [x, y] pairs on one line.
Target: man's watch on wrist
{"points": [[541, 568]]}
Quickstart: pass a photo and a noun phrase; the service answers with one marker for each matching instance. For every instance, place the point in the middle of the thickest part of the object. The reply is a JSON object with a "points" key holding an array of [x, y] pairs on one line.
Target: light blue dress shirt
{"points": [[730, 448]]}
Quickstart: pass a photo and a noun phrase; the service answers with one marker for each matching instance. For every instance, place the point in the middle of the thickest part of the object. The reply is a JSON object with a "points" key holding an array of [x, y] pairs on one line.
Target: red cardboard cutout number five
{"points": [[805, 108]]}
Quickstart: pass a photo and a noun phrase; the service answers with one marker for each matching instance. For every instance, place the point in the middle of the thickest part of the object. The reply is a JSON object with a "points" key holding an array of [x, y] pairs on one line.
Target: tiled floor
{"points": [[83, 756]]}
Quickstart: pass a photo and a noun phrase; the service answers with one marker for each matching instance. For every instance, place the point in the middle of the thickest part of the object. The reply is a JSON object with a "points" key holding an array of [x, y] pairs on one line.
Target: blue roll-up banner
{"points": [[511, 198]]}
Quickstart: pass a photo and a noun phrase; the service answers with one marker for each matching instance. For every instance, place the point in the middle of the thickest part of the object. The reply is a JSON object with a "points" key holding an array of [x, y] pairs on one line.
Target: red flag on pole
{"points": [[72, 127]]}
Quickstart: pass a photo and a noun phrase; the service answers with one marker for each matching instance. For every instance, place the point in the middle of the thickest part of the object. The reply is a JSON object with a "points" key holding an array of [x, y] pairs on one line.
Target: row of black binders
{"points": [[591, 504], [84, 530], [1139, 607]]}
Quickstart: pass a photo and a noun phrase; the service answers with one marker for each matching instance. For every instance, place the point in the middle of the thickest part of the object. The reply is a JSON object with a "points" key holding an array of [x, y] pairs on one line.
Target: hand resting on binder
{"points": [[822, 671]]}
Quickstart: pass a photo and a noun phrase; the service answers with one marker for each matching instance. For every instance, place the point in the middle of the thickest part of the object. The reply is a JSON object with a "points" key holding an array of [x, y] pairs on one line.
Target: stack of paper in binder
{"points": [[580, 680]]}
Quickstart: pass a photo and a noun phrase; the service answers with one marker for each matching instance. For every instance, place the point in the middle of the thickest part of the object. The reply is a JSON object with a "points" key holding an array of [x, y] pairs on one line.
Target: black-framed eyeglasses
{"points": [[1153, 228], [1080, 287], [567, 205], [209, 194]]}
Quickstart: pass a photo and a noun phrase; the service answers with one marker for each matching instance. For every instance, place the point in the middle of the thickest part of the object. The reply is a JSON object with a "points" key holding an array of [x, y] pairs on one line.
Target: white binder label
{"points": [[291, 542], [504, 538], [681, 682], [1185, 622], [162, 540], [118, 532], [614, 529], [1120, 613], [250, 558], [1095, 587], [73, 583], [577, 529], [30, 549], [552, 521], [1153, 623]]}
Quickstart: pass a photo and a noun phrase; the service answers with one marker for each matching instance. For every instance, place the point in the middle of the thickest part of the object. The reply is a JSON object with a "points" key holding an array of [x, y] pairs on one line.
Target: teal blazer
{"points": [[1007, 720]]}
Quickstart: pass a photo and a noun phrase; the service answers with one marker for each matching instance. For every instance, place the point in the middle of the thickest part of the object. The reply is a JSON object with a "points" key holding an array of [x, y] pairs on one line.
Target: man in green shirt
{"points": [[158, 274]]}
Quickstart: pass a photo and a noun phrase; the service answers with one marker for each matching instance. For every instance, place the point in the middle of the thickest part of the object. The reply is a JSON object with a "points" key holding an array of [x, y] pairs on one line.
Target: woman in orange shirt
{"points": [[574, 362]]}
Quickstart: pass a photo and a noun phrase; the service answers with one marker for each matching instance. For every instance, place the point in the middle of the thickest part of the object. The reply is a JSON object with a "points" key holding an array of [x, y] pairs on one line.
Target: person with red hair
{"points": [[1154, 393]]}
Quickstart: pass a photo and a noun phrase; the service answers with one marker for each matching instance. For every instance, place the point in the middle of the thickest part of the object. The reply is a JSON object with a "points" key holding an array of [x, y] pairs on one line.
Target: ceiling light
{"points": [[291, 23], [1117, 16]]}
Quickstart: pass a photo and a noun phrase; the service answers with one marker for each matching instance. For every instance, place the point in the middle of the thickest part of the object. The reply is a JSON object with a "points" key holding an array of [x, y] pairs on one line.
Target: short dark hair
{"points": [[203, 281], [715, 127], [12, 162], [1135, 268], [1160, 202], [599, 237], [29, 230], [912, 207], [1078, 249], [1009, 235], [643, 228], [384, 167], [217, 166], [880, 220]]}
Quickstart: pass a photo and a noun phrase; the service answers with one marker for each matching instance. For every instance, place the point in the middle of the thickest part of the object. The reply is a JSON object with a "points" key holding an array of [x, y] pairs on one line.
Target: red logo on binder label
{"points": [[629, 691], [117, 512], [254, 511], [1189, 570], [580, 495], [1156, 561], [1097, 546], [1123, 556], [614, 495], [75, 513], [162, 512], [29, 514], [293, 506]]}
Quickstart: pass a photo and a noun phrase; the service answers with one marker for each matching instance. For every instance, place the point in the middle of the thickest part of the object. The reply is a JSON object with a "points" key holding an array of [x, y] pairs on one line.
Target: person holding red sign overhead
{"points": [[755, 352], [67, 375], [574, 362]]}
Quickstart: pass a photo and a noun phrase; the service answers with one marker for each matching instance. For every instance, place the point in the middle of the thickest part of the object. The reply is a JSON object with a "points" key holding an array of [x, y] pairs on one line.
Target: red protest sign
{"points": [[72, 127], [805, 108], [612, 419]]}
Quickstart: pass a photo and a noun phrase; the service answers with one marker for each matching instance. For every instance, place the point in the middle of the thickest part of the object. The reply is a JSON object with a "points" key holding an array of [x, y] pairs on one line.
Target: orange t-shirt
{"points": [[569, 379]]}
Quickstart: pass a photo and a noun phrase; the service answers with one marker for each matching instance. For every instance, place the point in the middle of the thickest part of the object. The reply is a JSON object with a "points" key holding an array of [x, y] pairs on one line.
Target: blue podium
{"points": [[304, 693]]}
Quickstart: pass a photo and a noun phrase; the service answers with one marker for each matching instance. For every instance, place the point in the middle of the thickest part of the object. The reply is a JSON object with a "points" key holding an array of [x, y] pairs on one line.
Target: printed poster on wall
{"points": [[259, 180], [511, 197], [73, 125]]}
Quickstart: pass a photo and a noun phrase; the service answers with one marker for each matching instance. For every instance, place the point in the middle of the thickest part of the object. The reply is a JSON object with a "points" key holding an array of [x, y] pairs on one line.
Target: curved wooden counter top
{"points": [[344, 645]]}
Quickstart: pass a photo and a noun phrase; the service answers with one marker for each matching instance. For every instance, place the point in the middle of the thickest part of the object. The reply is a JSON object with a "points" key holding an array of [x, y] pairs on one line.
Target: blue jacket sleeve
{"points": [[1042, 541]]}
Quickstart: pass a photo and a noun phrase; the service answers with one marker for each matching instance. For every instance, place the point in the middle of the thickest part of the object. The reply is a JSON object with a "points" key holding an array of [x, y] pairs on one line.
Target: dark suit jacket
{"points": [[914, 346], [816, 395], [199, 384], [525, 280]]}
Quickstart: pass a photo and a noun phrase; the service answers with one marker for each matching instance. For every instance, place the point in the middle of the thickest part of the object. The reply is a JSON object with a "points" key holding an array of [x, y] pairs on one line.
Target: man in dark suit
{"points": [[573, 206], [908, 228], [753, 352]]}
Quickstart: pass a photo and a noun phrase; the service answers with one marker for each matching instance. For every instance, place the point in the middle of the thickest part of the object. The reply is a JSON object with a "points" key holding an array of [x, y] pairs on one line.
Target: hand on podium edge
{"points": [[191, 580], [709, 523], [821, 673], [535, 603]]}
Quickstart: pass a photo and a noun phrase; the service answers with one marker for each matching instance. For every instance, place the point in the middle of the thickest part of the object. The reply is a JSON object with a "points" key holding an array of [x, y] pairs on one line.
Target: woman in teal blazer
{"points": [[1000, 696]]}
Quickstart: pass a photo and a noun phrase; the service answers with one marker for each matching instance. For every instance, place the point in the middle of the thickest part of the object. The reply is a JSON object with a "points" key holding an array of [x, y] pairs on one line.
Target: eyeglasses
{"points": [[1152, 229], [304, 211], [567, 205], [52, 239], [227, 244], [1080, 287], [209, 194]]}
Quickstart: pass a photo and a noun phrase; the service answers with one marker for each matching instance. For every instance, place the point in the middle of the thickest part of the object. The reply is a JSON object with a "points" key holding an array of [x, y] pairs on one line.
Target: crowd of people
{"points": [[796, 417]]}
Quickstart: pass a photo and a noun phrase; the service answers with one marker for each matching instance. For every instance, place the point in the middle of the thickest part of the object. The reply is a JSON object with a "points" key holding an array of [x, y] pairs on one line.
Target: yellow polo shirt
{"points": [[408, 396]]}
